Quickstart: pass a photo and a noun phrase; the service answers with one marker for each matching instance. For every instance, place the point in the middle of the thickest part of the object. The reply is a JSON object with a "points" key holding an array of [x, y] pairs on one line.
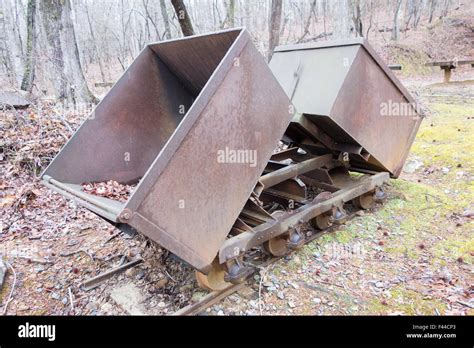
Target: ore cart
{"points": [[196, 121]]}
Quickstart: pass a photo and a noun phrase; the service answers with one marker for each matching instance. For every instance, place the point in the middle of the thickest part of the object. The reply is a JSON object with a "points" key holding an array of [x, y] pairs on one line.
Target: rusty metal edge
{"points": [[164, 156], [325, 44], [102, 277], [124, 75], [185, 38], [147, 227], [396, 82], [208, 300], [110, 215], [352, 42]]}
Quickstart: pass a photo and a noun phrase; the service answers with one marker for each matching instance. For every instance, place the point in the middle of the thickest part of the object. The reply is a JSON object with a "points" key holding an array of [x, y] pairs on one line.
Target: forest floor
{"points": [[412, 255]]}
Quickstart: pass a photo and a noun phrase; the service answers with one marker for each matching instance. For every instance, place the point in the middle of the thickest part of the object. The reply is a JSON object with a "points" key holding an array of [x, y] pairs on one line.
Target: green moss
{"points": [[277, 271], [413, 213], [417, 212], [445, 138], [455, 246], [401, 299], [344, 236], [39, 312]]}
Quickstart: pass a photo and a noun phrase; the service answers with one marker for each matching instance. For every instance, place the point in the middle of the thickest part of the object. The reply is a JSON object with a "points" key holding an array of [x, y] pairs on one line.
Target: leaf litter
{"points": [[55, 245]]}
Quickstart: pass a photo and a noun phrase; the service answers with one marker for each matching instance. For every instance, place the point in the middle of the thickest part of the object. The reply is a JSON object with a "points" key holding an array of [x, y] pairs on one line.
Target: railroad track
{"points": [[217, 296]]}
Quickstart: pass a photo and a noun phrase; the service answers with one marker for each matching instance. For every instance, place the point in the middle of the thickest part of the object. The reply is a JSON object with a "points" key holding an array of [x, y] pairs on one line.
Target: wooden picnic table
{"points": [[449, 65]]}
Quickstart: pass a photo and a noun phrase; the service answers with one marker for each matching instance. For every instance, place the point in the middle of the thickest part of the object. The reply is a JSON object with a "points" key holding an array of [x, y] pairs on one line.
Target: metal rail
{"points": [[94, 282], [217, 296], [291, 171]]}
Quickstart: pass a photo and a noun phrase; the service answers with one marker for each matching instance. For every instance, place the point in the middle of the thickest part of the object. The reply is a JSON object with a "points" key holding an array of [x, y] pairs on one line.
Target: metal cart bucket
{"points": [[194, 121], [349, 101]]}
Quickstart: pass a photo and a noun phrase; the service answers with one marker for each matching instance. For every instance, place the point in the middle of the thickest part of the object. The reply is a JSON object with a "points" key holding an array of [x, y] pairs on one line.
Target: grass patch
{"points": [[401, 299], [445, 138], [456, 245]]}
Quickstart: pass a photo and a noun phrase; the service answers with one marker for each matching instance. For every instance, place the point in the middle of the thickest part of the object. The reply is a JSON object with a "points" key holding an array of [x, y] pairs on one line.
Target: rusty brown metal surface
{"points": [[128, 128], [207, 51], [196, 121], [194, 200], [175, 113], [340, 88], [357, 109], [291, 171]]}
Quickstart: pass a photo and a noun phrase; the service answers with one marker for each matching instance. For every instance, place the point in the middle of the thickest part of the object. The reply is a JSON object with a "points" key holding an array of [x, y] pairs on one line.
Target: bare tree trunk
{"points": [[325, 5], [217, 14], [308, 22], [371, 12], [396, 29], [433, 4], [79, 89], [274, 26], [231, 13], [51, 14], [5, 51], [183, 17], [418, 11], [445, 9], [248, 15], [150, 18], [357, 18], [340, 20], [29, 74], [94, 42], [17, 28], [283, 25], [411, 11], [166, 19]]}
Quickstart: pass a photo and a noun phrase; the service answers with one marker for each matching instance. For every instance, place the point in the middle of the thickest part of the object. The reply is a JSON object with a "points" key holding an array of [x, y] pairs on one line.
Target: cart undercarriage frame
{"points": [[283, 201]]}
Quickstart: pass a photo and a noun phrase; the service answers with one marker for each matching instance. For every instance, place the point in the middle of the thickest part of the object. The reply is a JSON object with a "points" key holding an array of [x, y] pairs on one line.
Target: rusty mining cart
{"points": [[196, 121]]}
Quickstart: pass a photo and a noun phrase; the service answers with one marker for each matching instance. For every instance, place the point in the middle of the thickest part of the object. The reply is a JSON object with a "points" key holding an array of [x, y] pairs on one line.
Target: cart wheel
{"points": [[379, 195], [364, 201], [340, 216], [214, 281], [323, 221], [277, 246]]}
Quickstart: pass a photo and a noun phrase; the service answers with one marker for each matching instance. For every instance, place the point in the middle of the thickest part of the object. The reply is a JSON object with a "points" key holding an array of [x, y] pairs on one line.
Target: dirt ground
{"points": [[412, 255]]}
